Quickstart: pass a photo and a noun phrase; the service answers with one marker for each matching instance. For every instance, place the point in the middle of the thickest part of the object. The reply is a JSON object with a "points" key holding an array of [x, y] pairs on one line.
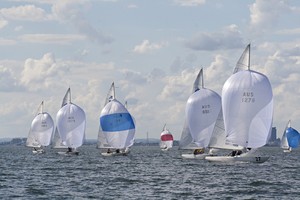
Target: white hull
{"points": [[39, 151], [167, 149], [193, 156], [232, 159], [115, 154]]}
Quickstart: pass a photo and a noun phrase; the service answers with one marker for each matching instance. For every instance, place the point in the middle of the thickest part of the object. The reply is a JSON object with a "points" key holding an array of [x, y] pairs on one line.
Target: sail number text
{"points": [[248, 97], [205, 109], [71, 119]]}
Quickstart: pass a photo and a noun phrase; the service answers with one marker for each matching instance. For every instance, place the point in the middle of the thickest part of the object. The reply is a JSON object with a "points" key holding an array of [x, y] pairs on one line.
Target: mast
{"points": [[249, 57]]}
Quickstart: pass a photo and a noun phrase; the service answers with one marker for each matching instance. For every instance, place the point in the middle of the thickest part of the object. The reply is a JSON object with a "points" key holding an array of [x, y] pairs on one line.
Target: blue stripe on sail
{"points": [[116, 122], [292, 137]]}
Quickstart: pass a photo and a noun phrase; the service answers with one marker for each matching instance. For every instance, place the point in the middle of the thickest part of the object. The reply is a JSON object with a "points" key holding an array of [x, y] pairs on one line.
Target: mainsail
{"points": [[71, 122], [247, 102], [41, 129]]}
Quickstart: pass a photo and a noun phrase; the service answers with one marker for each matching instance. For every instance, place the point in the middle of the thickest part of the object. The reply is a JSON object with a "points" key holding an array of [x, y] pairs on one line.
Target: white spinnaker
{"points": [[202, 110], [247, 102], [41, 129], [117, 125], [71, 122], [218, 138]]}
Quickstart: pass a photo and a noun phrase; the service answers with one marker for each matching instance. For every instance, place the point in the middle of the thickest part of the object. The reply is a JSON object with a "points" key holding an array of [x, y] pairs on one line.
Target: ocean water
{"points": [[146, 173]]}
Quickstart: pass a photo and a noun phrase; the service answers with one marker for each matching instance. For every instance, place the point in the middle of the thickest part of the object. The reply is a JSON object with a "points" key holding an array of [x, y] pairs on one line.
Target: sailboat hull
{"points": [[232, 159], [39, 151], [193, 156], [68, 153]]}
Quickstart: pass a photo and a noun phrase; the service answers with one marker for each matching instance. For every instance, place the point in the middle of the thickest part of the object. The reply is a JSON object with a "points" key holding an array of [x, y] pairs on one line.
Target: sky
{"points": [[152, 50]]}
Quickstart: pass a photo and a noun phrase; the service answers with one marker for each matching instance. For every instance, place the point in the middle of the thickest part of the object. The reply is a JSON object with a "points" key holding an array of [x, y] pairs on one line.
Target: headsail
{"points": [[202, 110], [117, 125], [247, 102], [41, 129], [291, 137], [166, 139]]}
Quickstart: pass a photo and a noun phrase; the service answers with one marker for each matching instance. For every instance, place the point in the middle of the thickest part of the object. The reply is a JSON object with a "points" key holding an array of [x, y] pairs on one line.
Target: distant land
{"points": [[137, 142]]}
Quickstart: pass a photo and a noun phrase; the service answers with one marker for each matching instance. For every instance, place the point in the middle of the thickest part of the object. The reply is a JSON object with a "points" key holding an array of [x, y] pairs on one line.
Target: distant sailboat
{"points": [[247, 102], [166, 139], [41, 131], [71, 123], [202, 110], [117, 126], [290, 138]]}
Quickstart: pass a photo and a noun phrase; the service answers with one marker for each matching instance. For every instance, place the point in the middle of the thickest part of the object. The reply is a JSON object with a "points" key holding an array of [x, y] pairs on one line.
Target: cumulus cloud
{"points": [[25, 13], [147, 46], [178, 86], [8, 82], [190, 2], [40, 74], [265, 14], [229, 38]]}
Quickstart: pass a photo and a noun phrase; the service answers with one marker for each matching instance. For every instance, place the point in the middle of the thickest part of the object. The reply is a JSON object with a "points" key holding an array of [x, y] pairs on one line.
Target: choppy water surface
{"points": [[147, 173]]}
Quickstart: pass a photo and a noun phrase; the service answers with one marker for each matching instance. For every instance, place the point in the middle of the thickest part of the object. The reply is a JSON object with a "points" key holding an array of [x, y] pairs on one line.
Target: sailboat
{"points": [[101, 141], [247, 102], [117, 127], [57, 142], [71, 121], [166, 139], [202, 110], [186, 140], [290, 138], [41, 131]]}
